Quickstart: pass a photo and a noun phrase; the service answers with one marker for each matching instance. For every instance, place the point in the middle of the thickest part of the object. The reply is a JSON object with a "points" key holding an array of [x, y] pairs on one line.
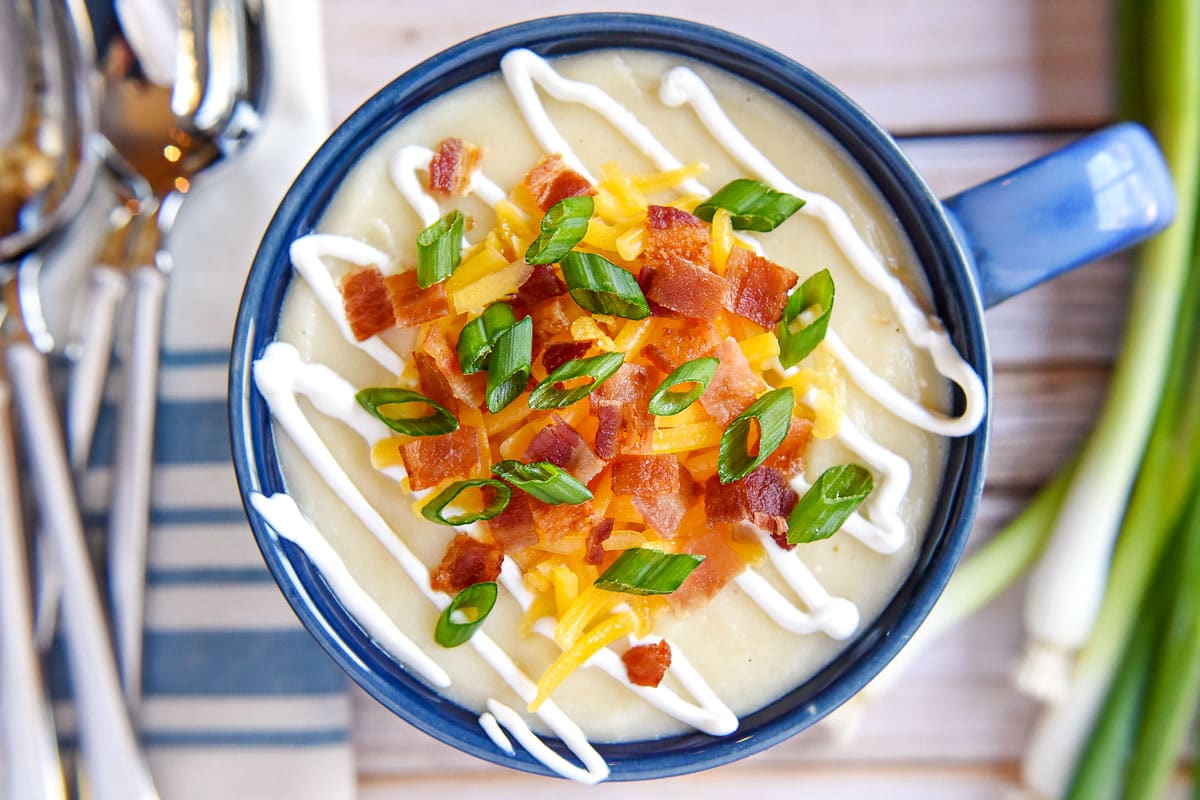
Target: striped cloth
{"points": [[239, 701]]}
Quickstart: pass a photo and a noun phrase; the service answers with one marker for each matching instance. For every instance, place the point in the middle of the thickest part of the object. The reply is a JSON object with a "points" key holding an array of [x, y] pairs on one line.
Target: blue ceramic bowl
{"points": [[1049, 218]]}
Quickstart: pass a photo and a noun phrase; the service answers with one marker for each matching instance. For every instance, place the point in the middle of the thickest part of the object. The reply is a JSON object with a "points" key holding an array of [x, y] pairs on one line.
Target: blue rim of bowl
{"points": [[956, 300]]}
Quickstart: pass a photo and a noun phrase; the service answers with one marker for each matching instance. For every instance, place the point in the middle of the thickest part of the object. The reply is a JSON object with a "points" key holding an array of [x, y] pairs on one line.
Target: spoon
{"points": [[55, 69], [168, 133]]}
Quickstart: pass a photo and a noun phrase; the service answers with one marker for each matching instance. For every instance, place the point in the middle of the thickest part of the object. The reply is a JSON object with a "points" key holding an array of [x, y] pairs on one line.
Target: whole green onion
{"points": [[828, 503], [599, 368], [797, 339], [563, 227], [543, 480], [772, 413], [699, 371], [439, 249], [479, 598], [642, 571], [508, 367], [600, 286], [752, 205], [374, 400], [434, 510], [478, 337]]}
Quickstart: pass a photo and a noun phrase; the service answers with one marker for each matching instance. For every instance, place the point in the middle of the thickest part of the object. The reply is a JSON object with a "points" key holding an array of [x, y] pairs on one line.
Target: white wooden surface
{"points": [[973, 88]]}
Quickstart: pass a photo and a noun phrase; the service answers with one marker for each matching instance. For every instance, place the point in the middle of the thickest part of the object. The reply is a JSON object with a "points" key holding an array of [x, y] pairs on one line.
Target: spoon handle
{"points": [[115, 767], [93, 347], [133, 463], [26, 726]]}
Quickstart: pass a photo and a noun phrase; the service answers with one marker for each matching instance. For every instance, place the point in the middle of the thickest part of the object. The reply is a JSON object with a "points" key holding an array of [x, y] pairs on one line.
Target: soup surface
{"points": [[741, 650]]}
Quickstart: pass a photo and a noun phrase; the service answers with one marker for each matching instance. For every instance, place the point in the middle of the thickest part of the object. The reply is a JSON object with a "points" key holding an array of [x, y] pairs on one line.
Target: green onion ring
{"points": [[543, 480], [439, 249], [435, 508], [600, 368], [828, 503], [373, 399], [666, 403], [752, 205], [478, 337], [478, 596], [773, 413], [642, 571], [600, 286], [508, 367], [563, 227], [797, 342]]}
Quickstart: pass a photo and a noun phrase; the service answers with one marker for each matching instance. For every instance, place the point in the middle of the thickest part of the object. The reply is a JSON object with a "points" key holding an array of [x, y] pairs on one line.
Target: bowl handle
{"points": [[1093, 197]]}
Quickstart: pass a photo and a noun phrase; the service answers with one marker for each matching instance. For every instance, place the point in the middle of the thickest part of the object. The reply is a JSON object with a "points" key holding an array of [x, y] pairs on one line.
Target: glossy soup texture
{"points": [[744, 656]]}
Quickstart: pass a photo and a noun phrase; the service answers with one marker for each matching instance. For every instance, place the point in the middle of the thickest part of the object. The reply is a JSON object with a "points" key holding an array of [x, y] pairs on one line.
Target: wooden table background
{"points": [[972, 88]]}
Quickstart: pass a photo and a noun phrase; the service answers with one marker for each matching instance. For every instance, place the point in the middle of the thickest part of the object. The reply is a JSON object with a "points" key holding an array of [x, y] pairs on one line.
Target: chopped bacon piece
{"points": [[733, 387], [776, 526], [451, 167], [552, 180], [432, 382], [690, 290], [413, 305], [467, 561], [542, 284], [551, 318], [561, 445], [559, 353], [437, 347], [645, 476], [788, 458], [553, 522], [675, 236], [680, 340], [645, 664], [758, 287], [620, 406], [762, 498], [367, 303], [721, 564], [512, 528], [594, 551], [665, 512], [432, 459]]}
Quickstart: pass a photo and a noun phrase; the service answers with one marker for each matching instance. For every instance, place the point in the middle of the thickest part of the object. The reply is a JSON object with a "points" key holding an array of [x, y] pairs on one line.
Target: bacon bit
{"points": [[367, 303], [758, 287], [665, 512], [433, 459], [675, 236], [777, 527], [413, 305], [721, 564], [512, 529], [443, 357], [620, 406], [550, 318], [542, 284], [451, 167], [680, 340], [645, 664], [645, 476], [763, 497], [552, 180], [561, 445], [432, 382], [553, 522], [690, 290], [733, 387], [467, 561], [594, 550], [559, 353], [788, 458]]}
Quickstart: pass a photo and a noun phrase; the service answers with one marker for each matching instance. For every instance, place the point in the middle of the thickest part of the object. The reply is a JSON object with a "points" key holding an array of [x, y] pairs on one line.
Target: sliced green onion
{"points": [[376, 398], [600, 286], [475, 601], [479, 336], [599, 368], [828, 503], [439, 249], [508, 367], [641, 571], [563, 227], [545, 481], [797, 338], [434, 510], [699, 371], [753, 205], [772, 413]]}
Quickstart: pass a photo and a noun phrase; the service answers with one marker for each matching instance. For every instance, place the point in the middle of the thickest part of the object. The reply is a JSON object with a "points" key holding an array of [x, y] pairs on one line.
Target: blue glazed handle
{"points": [[1098, 195]]}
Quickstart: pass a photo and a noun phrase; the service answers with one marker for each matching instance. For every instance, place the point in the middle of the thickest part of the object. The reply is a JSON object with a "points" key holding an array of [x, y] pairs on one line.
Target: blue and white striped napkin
{"points": [[239, 701]]}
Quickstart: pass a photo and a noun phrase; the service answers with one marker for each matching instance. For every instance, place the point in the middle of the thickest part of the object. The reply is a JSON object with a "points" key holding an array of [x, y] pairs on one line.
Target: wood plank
{"points": [[918, 66]]}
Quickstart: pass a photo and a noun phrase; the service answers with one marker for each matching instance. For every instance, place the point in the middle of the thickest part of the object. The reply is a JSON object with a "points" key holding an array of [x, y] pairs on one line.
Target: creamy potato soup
{"points": [[643, 129]]}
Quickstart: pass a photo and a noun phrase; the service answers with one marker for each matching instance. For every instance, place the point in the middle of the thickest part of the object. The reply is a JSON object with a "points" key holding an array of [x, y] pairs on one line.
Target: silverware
{"points": [[168, 134]]}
